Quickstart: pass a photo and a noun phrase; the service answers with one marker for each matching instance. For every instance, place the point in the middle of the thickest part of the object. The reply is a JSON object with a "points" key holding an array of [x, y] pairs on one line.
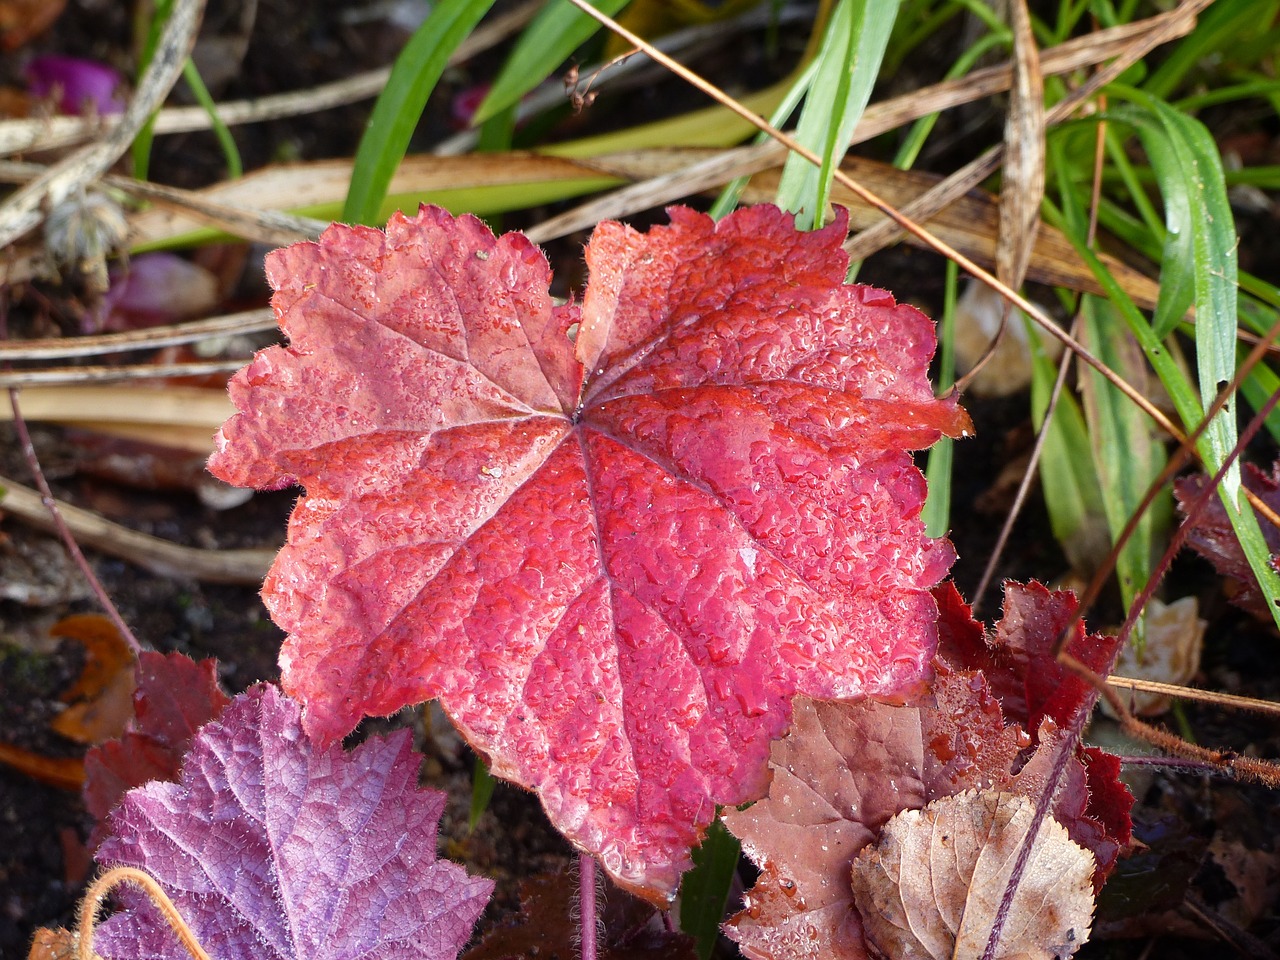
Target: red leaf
{"points": [[1018, 660], [846, 768], [173, 698], [275, 849], [1041, 695], [1212, 536], [614, 539]]}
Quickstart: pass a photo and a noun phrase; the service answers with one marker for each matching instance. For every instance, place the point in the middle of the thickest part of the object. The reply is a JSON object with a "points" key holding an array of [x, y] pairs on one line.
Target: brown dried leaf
{"points": [[933, 884], [23, 20], [847, 767], [53, 944], [838, 777], [1175, 639], [1023, 185], [65, 773], [100, 702]]}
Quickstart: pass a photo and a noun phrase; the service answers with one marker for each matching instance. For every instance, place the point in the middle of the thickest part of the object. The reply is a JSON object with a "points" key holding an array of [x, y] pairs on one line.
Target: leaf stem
{"points": [[113, 878], [587, 905], [51, 504]]}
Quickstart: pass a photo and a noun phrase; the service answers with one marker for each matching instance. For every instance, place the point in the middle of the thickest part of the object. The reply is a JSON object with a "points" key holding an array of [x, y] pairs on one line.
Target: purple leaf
{"points": [[274, 849]]}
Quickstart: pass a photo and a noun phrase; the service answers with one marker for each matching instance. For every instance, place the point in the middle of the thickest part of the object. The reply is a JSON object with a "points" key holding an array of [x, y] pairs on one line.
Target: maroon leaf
{"points": [[1018, 660], [1212, 536], [846, 768], [614, 539], [173, 698], [1019, 664], [275, 849]]}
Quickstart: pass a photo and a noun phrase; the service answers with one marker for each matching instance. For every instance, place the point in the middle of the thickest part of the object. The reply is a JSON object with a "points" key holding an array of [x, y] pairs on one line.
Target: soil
{"points": [[292, 44]]}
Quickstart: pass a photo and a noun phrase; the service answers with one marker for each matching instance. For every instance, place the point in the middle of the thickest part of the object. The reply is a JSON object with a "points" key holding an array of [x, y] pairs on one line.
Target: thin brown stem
{"points": [[1184, 453], [894, 214], [51, 504]]}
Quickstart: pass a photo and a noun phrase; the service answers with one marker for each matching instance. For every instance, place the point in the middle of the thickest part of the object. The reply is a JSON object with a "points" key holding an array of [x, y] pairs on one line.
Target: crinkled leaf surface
{"points": [[1211, 534], [846, 768], [613, 538], [174, 696], [931, 887], [274, 848], [1017, 661]]}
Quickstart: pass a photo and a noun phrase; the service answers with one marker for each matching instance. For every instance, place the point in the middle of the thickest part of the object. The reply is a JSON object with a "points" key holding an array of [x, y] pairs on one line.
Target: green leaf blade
{"points": [[848, 65], [396, 113]]}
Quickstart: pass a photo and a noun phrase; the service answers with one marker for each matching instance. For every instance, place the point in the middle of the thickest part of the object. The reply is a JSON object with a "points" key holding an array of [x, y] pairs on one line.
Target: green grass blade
{"points": [[1114, 437], [1186, 162], [937, 505], [848, 64], [1068, 482], [704, 890], [141, 149], [1187, 402], [482, 784], [1126, 456], [1177, 283], [1219, 28], [396, 113], [728, 198], [235, 169], [545, 44]]}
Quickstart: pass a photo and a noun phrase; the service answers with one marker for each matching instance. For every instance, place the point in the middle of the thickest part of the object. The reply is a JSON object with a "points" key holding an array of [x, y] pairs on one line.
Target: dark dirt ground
{"points": [[1222, 834]]}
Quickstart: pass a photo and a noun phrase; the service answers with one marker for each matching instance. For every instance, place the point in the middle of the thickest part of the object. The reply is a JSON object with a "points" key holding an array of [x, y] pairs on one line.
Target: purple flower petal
{"points": [[79, 83]]}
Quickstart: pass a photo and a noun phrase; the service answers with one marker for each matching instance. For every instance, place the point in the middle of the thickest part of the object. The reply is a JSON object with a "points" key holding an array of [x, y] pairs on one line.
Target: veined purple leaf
{"points": [[275, 849]]}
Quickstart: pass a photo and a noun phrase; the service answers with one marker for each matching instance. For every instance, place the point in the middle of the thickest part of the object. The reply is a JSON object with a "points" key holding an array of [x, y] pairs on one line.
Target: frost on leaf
{"points": [[931, 887], [847, 768], [615, 537], [1212, 536], [273, 848]]}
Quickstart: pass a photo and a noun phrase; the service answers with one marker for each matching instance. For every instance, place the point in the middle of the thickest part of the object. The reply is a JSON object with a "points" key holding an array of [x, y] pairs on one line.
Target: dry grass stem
{"points": [[1211, 697], [878, 118], [58, 376], [1160, 30], [47, 133], [713, 171], [274, 227], [161, 557], [25, 208], [1022, 187], [55, 348], [903, 221]]}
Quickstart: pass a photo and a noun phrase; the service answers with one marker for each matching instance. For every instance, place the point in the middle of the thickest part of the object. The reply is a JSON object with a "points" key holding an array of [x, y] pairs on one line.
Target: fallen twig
{"points": [[159, 556]]}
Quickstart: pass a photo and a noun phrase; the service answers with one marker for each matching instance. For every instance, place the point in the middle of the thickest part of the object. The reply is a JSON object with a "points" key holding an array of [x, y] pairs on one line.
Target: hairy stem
{"points": [[113, 878], [587, 905]]}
